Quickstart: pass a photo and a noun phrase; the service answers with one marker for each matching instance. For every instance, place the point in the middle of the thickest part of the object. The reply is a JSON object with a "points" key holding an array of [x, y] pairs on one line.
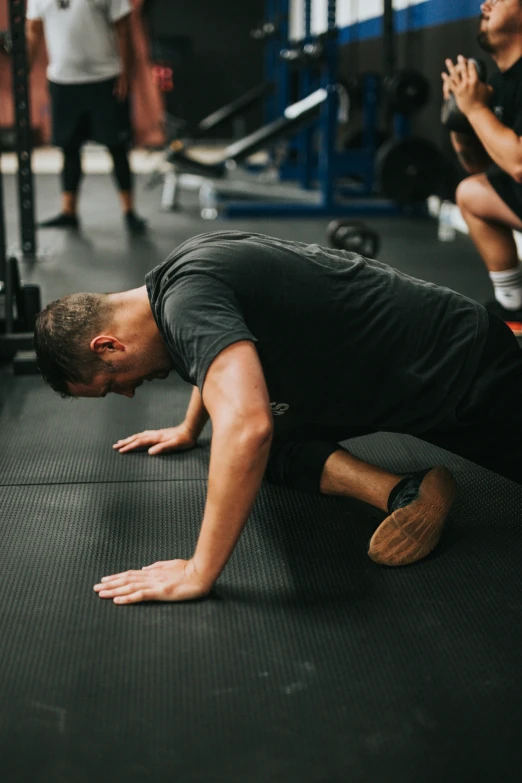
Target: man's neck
{"points": [[506, 58], [134, 312]]}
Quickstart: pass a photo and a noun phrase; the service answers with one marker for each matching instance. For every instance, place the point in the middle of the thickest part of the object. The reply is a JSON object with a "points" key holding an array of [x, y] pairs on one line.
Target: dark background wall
{"points": [[224, 60], [425, 50]]}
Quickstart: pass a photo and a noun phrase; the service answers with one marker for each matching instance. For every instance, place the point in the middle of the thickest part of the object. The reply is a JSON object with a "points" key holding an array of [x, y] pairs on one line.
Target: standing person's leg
{"points": [[491, 221], [70, 130], [110, 118], [71, 178], [417, 504], [124, 181]]}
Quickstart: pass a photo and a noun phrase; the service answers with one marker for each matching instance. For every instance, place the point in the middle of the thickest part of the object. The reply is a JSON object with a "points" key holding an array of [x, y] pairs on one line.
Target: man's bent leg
{"points": [[344, 474], [490, 221], [418, 504]]}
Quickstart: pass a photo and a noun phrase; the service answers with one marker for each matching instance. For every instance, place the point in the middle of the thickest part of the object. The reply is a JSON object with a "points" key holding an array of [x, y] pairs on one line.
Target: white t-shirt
{"points": [[80, 38]]}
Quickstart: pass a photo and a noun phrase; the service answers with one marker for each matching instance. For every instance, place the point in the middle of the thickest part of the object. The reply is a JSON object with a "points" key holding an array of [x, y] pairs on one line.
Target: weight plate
{"points": [[409, 170]]}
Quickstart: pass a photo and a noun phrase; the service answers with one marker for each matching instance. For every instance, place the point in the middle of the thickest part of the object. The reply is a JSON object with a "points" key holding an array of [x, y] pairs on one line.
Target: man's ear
{"points": [[106, 343]]}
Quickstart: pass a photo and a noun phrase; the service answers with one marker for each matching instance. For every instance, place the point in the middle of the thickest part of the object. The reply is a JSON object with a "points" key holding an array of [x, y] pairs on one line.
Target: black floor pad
{"points": [[308, 663]]}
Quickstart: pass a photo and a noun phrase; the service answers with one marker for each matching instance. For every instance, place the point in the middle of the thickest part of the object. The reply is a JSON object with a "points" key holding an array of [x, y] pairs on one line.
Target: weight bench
{"points": [[295, 117], [235, 108]]}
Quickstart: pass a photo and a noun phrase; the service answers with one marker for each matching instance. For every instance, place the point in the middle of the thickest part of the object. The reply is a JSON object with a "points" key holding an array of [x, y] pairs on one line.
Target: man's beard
{"points": [[483, 39], [484, 42]]}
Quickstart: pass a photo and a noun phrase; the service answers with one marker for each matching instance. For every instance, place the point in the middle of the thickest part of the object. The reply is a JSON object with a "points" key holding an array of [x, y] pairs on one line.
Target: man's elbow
{"points": [[259, 430]]}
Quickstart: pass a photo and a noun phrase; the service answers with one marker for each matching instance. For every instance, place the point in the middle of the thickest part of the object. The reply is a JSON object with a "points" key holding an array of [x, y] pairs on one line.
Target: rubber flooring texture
{"points": [[308, 663]]}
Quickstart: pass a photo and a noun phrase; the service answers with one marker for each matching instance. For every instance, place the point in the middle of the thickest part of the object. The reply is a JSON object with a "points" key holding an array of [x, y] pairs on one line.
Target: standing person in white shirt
{"points": [[89, 47]]}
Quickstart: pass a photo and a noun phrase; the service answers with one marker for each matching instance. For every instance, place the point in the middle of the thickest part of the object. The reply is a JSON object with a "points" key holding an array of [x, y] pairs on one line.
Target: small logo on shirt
{"points": [[279, 408], [499, 112]]}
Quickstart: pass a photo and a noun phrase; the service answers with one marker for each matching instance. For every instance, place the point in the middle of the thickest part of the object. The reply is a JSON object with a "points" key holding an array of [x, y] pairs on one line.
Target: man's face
{"points": [[500, 20], [125, 372], [114, 382]]}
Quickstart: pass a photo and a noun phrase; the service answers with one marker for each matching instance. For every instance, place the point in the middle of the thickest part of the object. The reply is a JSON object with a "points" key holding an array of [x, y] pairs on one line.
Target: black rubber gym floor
{"points": [[308, 664]]}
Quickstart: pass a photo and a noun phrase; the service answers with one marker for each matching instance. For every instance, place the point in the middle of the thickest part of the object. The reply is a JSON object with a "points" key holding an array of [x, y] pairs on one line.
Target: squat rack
{"points": [[15, 344]]}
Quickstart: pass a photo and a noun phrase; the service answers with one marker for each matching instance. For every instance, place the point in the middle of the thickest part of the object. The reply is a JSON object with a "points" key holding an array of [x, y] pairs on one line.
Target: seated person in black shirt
{"points": [[491, 199], [292, 348]]}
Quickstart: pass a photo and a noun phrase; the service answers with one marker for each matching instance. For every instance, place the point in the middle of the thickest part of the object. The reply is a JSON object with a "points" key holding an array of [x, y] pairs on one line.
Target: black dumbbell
{"points": [[451, 116], [354, 236], [407, 92]]}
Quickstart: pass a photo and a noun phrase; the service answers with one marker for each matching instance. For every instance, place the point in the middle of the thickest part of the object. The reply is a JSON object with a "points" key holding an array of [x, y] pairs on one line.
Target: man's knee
{"points": [[299, 463], [464, 196]]}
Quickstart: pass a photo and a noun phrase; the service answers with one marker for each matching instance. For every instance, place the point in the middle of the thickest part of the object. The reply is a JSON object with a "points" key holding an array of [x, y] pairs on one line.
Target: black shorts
{"points": [[89, 112], [505, 186]]}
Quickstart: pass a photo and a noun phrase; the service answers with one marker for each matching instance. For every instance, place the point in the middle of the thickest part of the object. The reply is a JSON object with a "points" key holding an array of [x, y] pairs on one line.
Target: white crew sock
{"points": [[508, 287]]}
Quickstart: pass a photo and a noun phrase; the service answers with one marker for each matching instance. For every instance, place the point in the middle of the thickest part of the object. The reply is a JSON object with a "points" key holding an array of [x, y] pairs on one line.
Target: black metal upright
{"points": [[23, 126], [388, 34]]}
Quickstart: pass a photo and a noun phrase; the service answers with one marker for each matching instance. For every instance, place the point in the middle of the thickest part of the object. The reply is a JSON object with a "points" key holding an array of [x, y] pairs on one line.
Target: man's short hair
{"points": [[63, 334]]}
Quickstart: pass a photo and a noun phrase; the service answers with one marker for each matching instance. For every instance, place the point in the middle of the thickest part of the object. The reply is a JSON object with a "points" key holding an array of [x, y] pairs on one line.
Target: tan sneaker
{"points": [[413, 530]]}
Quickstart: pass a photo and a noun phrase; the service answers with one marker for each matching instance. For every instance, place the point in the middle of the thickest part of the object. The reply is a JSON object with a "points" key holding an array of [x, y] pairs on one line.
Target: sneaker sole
{"points": [[412, 532]]}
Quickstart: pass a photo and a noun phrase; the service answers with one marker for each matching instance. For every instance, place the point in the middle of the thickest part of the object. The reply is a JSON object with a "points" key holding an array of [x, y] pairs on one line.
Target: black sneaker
{"points": [[512, 318], [61, 221], [135, 225]]}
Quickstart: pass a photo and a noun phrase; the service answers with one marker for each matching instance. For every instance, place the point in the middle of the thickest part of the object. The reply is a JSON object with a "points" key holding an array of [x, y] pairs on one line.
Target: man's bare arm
{"points": [[471, 153], [502, 144], [125, 46], [34, 33], [197, 415], [236, 398]]}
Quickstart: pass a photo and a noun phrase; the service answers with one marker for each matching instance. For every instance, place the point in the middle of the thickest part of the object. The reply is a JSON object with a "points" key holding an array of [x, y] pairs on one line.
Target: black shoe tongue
{"points": [[406, 490]]}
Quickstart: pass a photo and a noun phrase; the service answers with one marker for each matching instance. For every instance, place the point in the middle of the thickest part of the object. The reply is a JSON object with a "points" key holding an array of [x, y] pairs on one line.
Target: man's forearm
{"points": [[237, 463], [196, 416], [470, 152], [33, 38], [501, 143], [124, 36]]}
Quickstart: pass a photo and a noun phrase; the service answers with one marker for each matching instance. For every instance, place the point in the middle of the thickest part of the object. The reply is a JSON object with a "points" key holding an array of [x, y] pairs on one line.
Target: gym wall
{"points": [[225, 63], [428, 31]]}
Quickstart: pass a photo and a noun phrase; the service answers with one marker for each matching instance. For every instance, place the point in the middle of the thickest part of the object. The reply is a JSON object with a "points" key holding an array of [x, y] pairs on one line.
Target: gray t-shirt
{"points": [[344, 341]]}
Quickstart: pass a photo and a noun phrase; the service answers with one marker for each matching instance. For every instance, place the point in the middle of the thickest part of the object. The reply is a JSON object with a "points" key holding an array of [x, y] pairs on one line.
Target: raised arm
{"points": [[471, 153], [502, 144]]}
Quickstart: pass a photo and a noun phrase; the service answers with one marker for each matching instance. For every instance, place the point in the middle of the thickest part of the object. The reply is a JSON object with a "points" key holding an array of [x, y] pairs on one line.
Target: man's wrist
{"points": [[477, 112], [197, 572], [192, 430]]}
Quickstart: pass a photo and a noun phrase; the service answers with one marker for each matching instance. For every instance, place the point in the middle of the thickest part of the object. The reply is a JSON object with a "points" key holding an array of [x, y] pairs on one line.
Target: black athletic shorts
{"points": [[505, 186], [89, 112]]}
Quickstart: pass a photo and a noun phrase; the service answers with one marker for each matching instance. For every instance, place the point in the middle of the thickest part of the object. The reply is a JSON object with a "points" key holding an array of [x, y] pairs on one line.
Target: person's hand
{"points": [[158, 441], [168, 580], [463, 81], [446, 86], [121, 88]]}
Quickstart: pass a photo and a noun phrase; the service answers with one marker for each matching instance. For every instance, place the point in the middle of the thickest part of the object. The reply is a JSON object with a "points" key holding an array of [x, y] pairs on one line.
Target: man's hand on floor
{"points": [[158, 441], [168, 580]]}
